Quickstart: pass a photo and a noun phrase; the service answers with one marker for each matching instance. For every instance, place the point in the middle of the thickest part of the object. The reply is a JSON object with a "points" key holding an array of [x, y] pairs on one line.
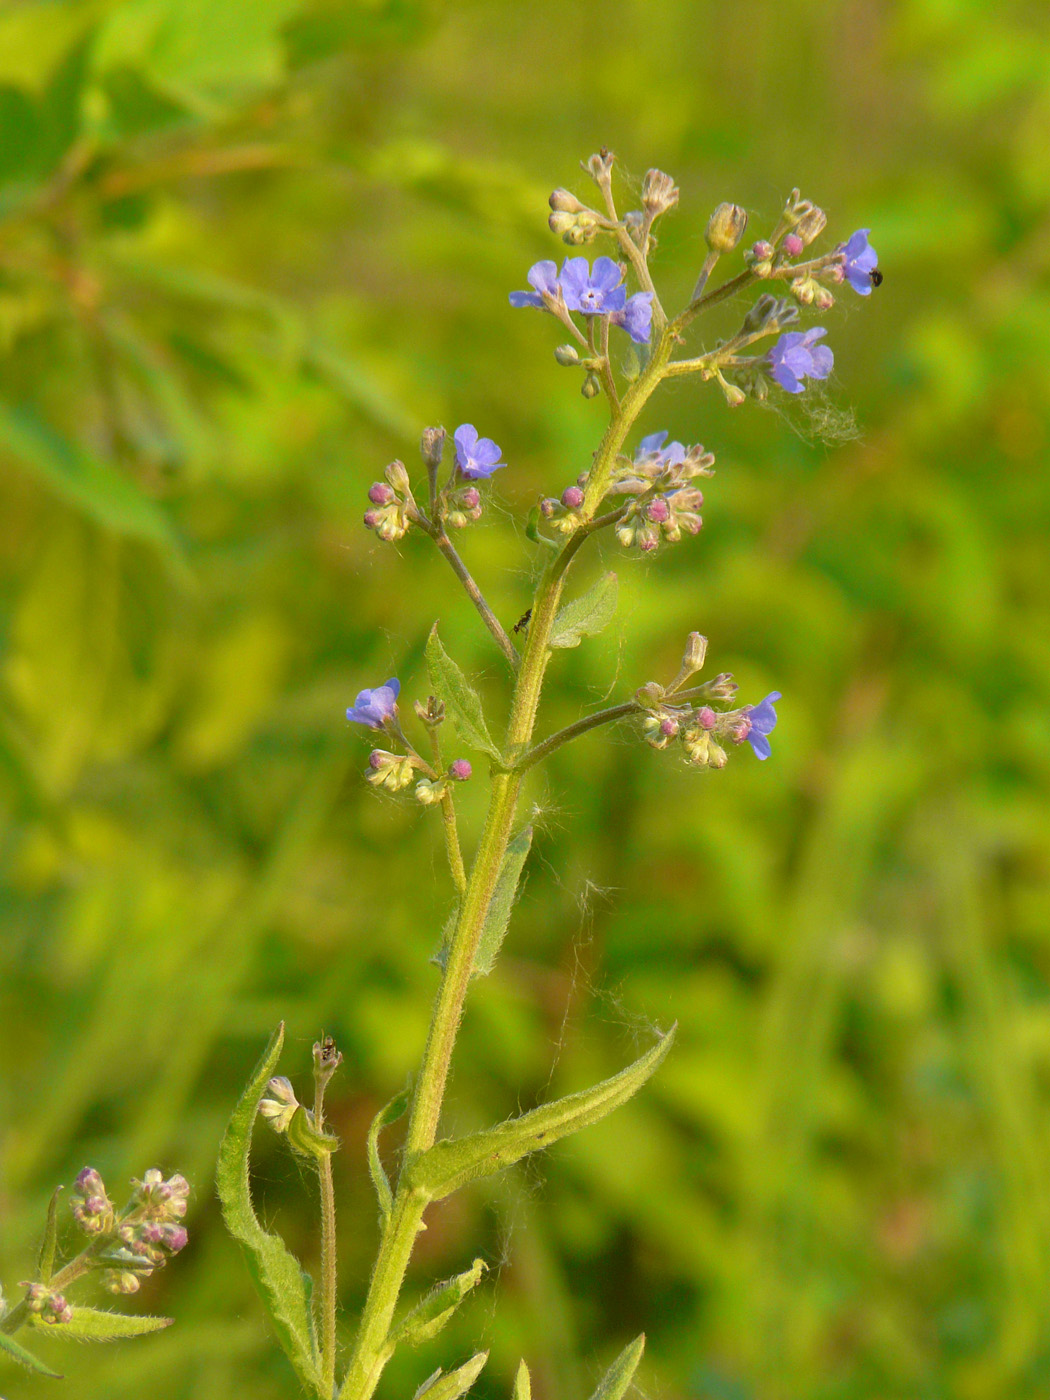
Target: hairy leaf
{"points": [[18, 1353], [275, 1272], [432, 1312], [450, 1164], [614, 1383], [586, 616], [456, 1383], [99, 1325], [390, 1114], [461, 699], [502, 902], [45, 1262], [522, 1383]]}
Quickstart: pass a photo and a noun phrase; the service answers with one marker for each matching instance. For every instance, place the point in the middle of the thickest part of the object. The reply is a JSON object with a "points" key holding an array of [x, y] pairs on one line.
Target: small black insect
{"points": [[523, 620], [876, 277]]}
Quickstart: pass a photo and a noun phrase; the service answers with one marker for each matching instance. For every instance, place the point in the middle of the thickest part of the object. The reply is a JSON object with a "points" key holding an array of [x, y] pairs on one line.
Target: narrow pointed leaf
{"points": [[432, 1312], [45, 1262], [99, 1325], [275, 1272], [503, 899], [25, 1358], [522, 1383], [441, 956], [586, 616], [461, 699], [390, 1114], [450, 1164], [456, 1383], [613, 1385]]}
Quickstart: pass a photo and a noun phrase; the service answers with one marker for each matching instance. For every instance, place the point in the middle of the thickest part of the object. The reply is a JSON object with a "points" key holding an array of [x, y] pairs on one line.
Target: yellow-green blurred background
{"points": [[248, 248]]}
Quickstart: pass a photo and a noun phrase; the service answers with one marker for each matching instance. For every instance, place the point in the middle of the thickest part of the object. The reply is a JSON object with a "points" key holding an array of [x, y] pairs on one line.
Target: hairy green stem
{"points": [[327, 1301], [371, 1345], [573, 731]]}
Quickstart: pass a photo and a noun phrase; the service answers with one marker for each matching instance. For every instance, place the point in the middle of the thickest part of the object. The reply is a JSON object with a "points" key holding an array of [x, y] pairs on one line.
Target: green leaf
{"points": [[18, 1353], [432, 1312], [390, 1114], [461, 699], [502, 902], [45, 1262], [98, 1325], [617, 1378], [522, 1383], [456, 1383], [88, 482], [586, 616], [275, 1272], [450, 1164]]}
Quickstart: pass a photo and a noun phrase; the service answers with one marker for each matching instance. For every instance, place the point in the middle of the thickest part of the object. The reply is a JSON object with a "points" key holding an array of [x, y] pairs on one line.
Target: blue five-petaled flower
{"points": [[861, 261], [476, 457], [797, 356], [596, 291], [763, 719], [374, 707], [652, 445]]}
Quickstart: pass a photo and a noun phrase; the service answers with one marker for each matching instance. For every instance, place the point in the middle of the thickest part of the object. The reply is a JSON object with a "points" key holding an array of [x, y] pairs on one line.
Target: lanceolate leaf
{"points": [[432, 1312], [99, 1325], [18, 1353], [275, 1272], [613, 1385], [390, 1114], [461, 700], [522, 1383], [448, 1165], [503, 898], [45, 1263], [456, 1383], [586, 616]]}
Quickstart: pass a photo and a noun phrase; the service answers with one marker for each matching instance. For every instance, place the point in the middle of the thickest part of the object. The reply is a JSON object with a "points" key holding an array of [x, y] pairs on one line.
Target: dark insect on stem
{"points": [[523, 620], [876, 277]]}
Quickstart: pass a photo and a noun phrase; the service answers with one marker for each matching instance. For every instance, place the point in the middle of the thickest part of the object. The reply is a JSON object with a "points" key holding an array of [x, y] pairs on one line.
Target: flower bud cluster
{"points": [[46, 1305], [279, 1109], [391, 771], [701, 731], [664, 503], [572, 221], [392, 510], [92, 1208], [150, 1231]]}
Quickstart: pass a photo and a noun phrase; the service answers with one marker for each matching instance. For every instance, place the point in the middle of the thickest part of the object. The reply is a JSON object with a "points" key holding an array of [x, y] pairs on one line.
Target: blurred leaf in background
{"points": [[247, 251]]}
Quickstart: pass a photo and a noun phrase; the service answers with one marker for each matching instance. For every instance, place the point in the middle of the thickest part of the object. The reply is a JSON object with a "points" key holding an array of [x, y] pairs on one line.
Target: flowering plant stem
{"points": [[370, 1352]]}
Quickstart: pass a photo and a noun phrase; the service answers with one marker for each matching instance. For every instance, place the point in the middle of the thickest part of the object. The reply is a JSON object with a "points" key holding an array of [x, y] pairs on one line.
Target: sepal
{"points": [[456, 1383], [613, 1385]]}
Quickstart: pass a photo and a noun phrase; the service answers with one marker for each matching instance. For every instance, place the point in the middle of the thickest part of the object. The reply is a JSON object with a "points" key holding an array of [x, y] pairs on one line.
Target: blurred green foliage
{"points": [[247, 250]]}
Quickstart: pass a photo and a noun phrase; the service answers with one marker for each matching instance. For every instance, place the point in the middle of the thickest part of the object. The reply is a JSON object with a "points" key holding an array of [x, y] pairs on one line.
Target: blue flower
{"points": [[544, 277], [374, 707], [476, 457], [763, 719], [636, 318], [861, 261], [797, 356], [653, 446], [596, 293]]}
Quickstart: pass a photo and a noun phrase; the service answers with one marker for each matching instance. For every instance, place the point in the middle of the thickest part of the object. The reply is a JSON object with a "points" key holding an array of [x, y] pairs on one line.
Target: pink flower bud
{"points": [[793, 245], [460, 769], [707, 717], [572, 497], [380, 494]]}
